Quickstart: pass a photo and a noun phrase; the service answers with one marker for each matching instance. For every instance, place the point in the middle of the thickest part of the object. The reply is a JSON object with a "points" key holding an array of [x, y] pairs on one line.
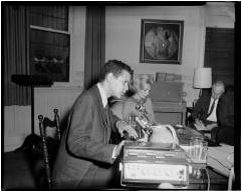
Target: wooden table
{"points": [[206, 179], [216, 180]]}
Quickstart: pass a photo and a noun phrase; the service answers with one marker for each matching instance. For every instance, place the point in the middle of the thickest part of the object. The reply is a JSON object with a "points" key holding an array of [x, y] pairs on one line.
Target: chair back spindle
{"points": [[45, 151], [57, 120], [43, 124]]}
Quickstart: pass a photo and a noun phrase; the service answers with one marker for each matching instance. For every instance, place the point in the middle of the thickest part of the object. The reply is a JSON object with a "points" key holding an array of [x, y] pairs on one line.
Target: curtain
{"points": [[16, 54], [94, 45]]}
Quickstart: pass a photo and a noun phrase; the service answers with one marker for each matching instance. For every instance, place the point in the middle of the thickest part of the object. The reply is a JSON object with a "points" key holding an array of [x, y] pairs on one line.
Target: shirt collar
{"points": [[103, 95], [215, 99]]}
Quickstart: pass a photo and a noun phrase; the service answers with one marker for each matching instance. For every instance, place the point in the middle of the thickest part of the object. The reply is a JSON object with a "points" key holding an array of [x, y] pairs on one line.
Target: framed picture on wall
{"points": [[161, 41], [49, 55]]}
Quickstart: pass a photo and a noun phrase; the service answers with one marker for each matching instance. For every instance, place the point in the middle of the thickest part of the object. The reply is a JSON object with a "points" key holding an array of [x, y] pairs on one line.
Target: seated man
{"points": [[225, 133], [211, 110]]}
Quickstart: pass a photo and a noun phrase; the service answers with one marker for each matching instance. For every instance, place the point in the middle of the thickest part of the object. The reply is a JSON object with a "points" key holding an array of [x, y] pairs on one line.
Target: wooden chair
{"points": [[49, 144]]}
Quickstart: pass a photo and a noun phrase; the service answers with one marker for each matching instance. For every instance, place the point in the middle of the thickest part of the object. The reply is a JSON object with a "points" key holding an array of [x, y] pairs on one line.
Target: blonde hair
{"points": [[139, 82]]}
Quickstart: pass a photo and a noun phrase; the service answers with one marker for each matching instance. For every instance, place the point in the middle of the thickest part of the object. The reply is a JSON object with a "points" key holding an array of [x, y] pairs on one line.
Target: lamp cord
{"points": [[208, 177], [231, 175]]}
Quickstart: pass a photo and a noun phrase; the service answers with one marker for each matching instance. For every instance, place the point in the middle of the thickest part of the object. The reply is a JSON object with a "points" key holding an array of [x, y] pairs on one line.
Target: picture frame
{"points": [[161, 41], [49, 55]]}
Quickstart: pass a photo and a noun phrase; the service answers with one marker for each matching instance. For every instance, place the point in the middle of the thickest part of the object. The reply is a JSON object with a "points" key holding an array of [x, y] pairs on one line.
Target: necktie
{"points": [[106, 115], [107, 138], [212, 108]]}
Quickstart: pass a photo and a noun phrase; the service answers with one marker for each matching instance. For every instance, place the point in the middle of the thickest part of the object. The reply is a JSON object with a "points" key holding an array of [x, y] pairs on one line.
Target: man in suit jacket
{"points": [[225, 133], [86, 158], [205, 113]]}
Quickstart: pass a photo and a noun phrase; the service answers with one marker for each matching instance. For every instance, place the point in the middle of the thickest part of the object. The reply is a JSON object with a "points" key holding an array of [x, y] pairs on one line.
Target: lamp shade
{"points": [[202, 78]]}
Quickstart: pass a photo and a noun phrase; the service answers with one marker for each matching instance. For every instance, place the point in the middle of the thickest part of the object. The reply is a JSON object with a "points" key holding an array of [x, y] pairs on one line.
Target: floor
{"points": [[17, 173]]}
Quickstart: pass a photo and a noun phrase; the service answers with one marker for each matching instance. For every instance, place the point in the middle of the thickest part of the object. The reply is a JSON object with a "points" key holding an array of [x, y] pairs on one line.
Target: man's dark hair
{"points": [[115, 67]]}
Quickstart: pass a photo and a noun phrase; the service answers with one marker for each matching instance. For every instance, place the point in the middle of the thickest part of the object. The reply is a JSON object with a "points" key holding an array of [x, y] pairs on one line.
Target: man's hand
{"points": [[123, 126], [199, 125], [211, 126], [118, 148]]}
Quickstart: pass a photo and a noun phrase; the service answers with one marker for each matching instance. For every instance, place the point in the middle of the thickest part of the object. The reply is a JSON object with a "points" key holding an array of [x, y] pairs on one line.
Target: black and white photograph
{"points": [[121, 95]]}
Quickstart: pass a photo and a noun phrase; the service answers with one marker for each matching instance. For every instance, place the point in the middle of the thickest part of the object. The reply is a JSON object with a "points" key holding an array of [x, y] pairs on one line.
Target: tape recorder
{"points": [[150, 164]]}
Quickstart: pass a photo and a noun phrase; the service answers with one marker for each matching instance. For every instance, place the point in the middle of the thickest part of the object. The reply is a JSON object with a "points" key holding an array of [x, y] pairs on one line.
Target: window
{"points": [[49, 42], [219, 53]]}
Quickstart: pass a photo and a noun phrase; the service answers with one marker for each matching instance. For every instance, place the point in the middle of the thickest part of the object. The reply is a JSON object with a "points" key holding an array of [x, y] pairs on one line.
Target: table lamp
{"points": [[202, 79]]}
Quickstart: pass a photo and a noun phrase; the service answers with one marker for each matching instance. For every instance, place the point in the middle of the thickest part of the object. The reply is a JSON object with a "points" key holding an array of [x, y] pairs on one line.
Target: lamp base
{"points": [[200, 92]]}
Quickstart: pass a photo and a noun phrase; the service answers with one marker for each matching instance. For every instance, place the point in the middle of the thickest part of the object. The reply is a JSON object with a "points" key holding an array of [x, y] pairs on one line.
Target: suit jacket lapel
{"points": [[104, 117], [207, 105]]}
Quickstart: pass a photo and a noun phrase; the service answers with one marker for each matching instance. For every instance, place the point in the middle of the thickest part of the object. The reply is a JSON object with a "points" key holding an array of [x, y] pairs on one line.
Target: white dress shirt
{"points": [[105, 102], [103, 95], [213, 115]]}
